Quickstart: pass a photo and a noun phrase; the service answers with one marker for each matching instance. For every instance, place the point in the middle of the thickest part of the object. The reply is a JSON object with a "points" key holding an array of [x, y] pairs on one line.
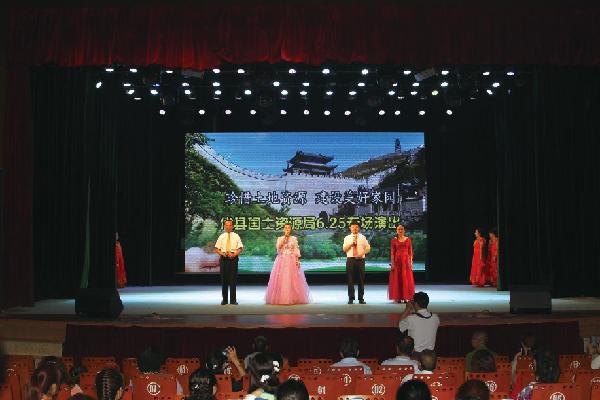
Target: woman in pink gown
{"points": [[287, 284], [402, 284], [478, 267], [492, 259]]}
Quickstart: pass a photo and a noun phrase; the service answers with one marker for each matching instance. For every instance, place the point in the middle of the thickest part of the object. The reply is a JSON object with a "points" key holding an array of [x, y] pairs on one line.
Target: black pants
{"points": [[355, 271], [229, 269]]}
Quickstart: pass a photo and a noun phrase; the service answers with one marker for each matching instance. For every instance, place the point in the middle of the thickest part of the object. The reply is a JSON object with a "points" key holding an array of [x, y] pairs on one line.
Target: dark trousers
{"points": [[229, 269], [355, 271]]}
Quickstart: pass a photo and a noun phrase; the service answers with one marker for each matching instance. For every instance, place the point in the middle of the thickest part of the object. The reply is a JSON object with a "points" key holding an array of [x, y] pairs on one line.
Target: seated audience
{"points": [[259, 345], [292, 390], [546, 370], [427, 364], [221, 359], [404, 350], [202, 385], [527, 349], [44, 383], [73, 378], [349, 352], [57, 363], [473, 390], [419, 323], [150, 361], [483, 361], [263, 377], [109, 385], [592, 349], [413, 390], [479, 341]]}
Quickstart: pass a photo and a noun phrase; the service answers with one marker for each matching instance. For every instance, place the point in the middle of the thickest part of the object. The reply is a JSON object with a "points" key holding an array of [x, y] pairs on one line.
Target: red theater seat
{"points": [[495, 381], [5, 392], [148, 386], [555, 391], [378, 385], [182, 368]]}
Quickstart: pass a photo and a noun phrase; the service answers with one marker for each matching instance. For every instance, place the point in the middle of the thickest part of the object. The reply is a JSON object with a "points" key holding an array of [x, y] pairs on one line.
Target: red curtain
{"points": [[203, 36]]}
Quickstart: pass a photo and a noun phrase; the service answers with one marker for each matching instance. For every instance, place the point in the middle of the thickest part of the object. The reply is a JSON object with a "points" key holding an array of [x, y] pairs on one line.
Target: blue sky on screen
{"points": [[268, 152]]}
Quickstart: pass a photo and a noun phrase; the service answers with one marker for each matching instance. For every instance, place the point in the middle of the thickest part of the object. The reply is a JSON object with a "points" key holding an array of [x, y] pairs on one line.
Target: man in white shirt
{"points": [[228, 246], [349, 353], [419, 323], [356, 247], [404, 348], [427, 364]]}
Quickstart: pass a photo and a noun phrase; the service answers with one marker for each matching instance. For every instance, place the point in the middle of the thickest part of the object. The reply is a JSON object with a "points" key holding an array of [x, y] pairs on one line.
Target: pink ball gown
{"points": [[287, 283]]}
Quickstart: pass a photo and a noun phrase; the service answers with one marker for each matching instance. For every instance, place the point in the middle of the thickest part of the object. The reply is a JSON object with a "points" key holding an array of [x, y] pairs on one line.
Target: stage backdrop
{"points": [[318, 181]]}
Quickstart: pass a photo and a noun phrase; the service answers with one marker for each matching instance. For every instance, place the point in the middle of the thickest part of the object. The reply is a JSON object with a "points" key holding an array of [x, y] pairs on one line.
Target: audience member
{"points": [[150, 361], [479, 341], [405, 346], [349, 352], [44, 383], [413, 390], [221, 359], [592, 349], [473, 390], [73, 378], [109, 385], [483, 360], [292, 390], [546, 370], [427, 364], [58, 364], [202, 385], [259, 345], [527, 349], [263, 377], [419, 323]]}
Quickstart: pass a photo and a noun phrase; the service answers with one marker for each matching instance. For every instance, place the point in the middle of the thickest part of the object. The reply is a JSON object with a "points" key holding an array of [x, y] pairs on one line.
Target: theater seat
{"points": [[148, 386], [495, 381], [5, 392], [555, 391], [182, 368]]}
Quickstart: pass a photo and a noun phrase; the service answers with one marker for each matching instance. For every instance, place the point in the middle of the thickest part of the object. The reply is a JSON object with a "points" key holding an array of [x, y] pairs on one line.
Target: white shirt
{"points": [[352, 362], [596, 362], [362, 245], [402, 360], [422, 330], [234, 241]]}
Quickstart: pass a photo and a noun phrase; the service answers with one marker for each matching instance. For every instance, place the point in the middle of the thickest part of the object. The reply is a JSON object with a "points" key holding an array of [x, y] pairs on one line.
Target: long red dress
{"points": [[121, 275], [402, 283], [492, 263], [477, 277]]}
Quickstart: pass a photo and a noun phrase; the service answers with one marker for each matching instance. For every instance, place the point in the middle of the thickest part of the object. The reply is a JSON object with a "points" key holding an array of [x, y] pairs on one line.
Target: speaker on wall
{"points": [[99, 303], [530, 299]]}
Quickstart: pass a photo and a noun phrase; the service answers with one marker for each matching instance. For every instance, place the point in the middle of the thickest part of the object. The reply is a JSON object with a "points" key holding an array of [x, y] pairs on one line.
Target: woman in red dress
{"points": [[492, 259], [402, 284], [121, 276], [478, 262]]}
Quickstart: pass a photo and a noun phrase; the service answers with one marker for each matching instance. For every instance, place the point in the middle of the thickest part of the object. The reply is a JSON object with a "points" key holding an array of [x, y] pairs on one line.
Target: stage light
{"points": [[381, 112], [352, 93], [397, 112], [130, 91], [185, 84], [216, 84], [133, 70], [415, 84], [291, 71], [241, 71], [276, 83], [422, 112], [127, 84], [496, 84], [156, 84], [247, 92], [361, 84], [449, 112], [406, 72], [153, 92], [305, 84], [364, 71], [228, 112], [486, 73], [201, 111], [391, 92], [284, 92], [98, 84], [283, 112], [109, 69], [444, 84], [216, 71], [400, 97], [162, 112], [395, 84], [253, 112], [510, 73], [187, 91], [445, 72], [434, 92], [218, 92], [303, 92], [414, 92], [169, 71], [306, 112], [137, 98], [329, 92], [327, 112], [325, 71], [347, 112], [489, 91]]}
